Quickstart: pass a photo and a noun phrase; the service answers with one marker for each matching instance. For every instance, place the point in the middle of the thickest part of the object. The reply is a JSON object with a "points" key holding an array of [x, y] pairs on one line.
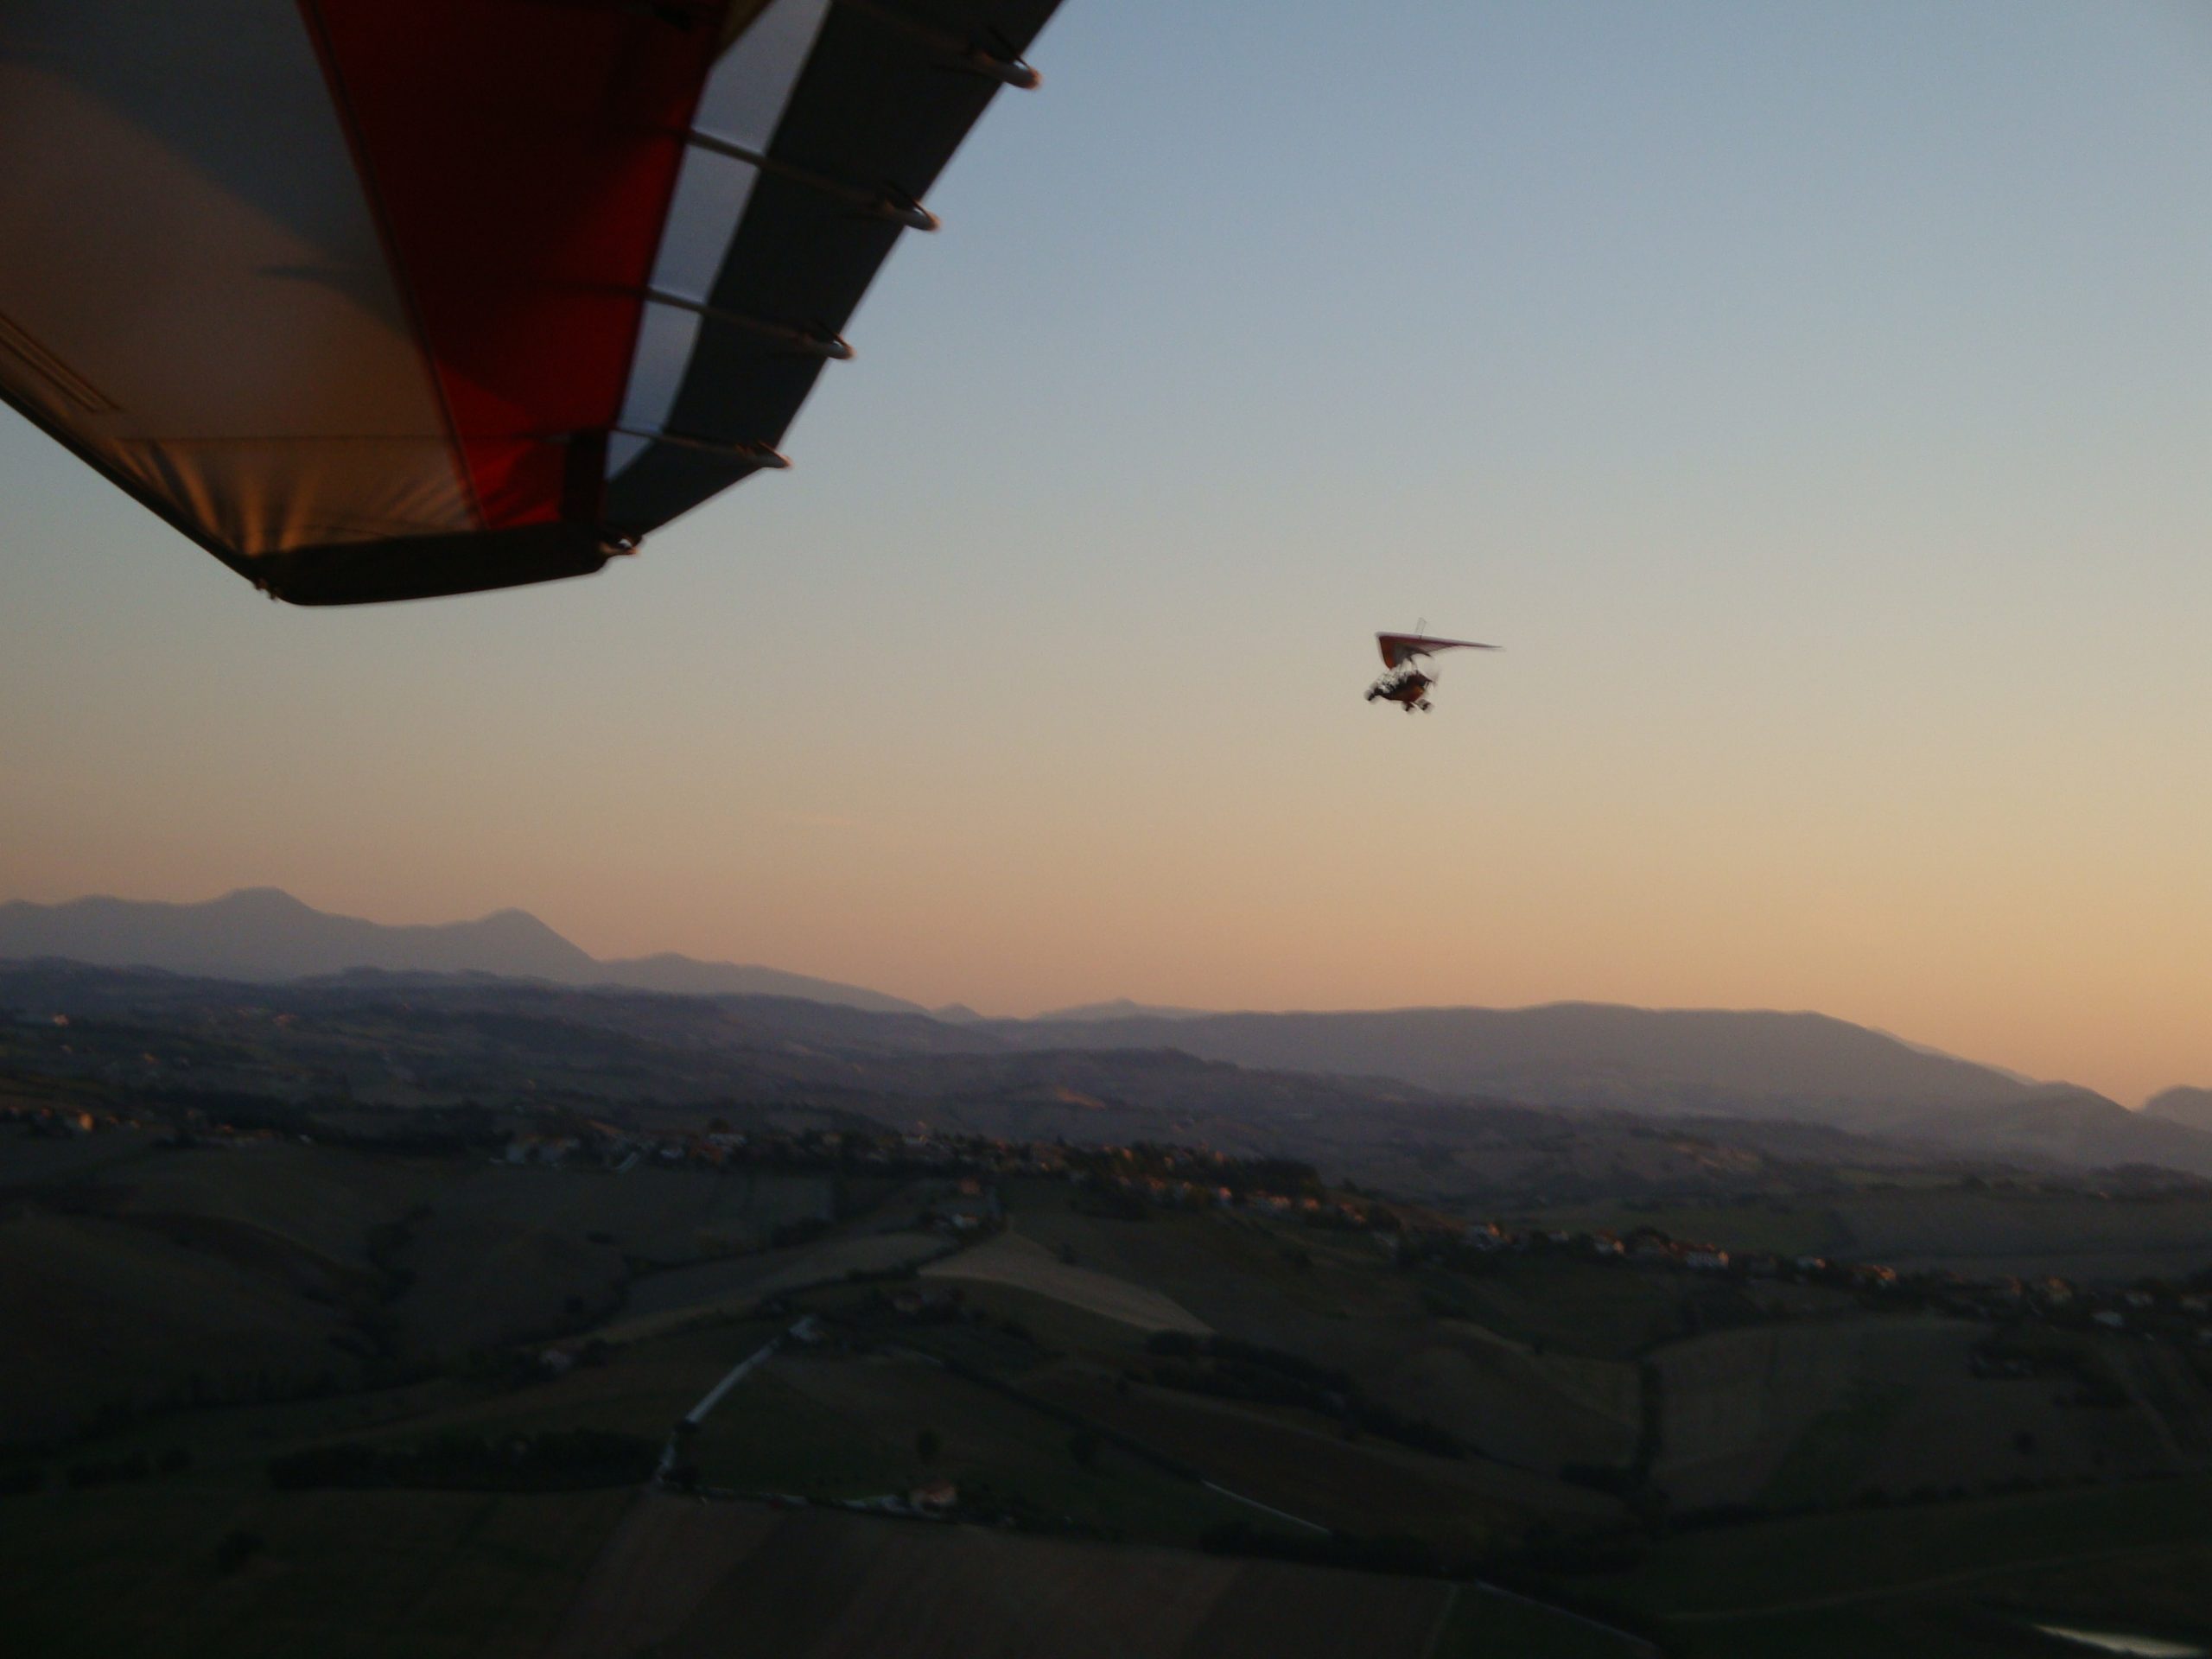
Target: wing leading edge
{"points": [[1397, 648]]}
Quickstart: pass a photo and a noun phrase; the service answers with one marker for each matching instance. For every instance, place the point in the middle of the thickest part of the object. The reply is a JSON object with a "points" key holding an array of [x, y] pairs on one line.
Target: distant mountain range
{"points": [[264, 933], [1674, 1061], [1801, 1068]]}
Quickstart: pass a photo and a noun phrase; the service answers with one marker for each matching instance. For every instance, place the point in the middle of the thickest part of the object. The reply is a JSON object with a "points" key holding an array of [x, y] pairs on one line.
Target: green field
{"points": [[143, 1278], [1602, 1311], [353, 1575], [133, 1569], [1024, 1264], [729, 1581], [1922, 1222], [1485, 1624], [840, 1428], [1982, 1232], [1829, 1463], [105, 1313], [738, 1281], [1918, 1580]]}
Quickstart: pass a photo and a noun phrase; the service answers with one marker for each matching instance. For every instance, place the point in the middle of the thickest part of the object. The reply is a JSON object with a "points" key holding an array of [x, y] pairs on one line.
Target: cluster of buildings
{"points": [[48, 1119], [1169, 1178], [45, 1120], [2182, 1314]]}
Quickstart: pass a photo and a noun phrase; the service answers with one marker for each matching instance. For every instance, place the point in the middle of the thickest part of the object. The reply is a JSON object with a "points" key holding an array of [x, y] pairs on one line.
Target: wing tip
{"points": [[432, 567]]}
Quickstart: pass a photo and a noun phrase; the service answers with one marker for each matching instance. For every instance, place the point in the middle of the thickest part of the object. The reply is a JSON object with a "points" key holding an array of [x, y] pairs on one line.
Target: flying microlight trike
{"points": [[1409, 659]]}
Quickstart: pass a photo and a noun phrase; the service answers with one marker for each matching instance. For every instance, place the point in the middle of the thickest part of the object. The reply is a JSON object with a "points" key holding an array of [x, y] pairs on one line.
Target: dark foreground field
{"points": [[686, 1580]]}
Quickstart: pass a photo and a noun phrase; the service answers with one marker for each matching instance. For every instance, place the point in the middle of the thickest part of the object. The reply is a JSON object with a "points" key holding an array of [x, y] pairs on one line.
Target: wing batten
{"points": [[742, 102], [801, 257]]}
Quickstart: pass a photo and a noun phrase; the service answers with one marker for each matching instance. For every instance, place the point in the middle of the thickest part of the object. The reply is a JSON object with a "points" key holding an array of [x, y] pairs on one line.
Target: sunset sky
{"points": [[1815, 399]]}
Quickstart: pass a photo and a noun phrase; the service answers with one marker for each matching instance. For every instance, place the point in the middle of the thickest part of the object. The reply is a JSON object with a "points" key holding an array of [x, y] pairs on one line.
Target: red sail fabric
{"points": [[520, 156], [1397, 647]]}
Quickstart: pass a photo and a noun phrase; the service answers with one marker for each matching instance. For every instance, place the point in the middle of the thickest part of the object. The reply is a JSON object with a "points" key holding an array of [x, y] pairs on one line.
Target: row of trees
{"points": [[1231, 1369]]}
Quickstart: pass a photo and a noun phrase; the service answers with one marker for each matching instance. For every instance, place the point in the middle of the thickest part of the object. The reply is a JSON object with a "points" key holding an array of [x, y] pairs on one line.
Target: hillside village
{"points": [[1199, 1179]]}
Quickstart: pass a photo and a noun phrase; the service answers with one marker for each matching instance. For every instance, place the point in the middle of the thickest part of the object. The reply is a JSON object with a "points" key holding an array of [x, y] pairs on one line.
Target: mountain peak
{"points": [[1122, 1008], [513, 923], [264, 933], [2190, 1107], [272, 899]]}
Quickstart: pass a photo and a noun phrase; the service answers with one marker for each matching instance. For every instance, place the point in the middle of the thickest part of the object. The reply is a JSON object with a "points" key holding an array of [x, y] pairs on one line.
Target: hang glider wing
{"points": [[381, 299], [1399, 648]]}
